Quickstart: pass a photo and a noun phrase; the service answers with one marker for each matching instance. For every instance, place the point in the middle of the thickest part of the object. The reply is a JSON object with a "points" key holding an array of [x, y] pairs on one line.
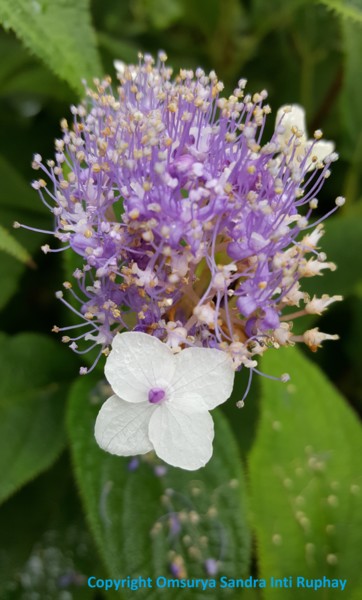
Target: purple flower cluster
{"points": [[188, 227]]}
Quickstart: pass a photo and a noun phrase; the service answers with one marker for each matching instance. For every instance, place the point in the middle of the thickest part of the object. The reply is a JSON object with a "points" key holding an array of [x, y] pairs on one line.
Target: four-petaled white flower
{"points": [[161, 400]]}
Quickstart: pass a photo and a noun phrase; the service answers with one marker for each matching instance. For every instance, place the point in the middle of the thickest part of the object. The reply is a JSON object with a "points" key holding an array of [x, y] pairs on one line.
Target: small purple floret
{"points": [[133, 464], [156, 395], [176, 569], [211, 566], [175, 525], [160, 470]]}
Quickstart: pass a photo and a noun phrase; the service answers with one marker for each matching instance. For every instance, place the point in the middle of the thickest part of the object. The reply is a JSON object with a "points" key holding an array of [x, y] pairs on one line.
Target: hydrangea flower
{"points": [[187, 225], [162, 400]]}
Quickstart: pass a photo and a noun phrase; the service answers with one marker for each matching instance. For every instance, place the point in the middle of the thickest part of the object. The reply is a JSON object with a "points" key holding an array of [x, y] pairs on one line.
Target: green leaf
{"points": [[45, 547], [306, 478], [17, 58], [22, 74], [206, 14], [10, 245], [59, 33], [18, 202], [348, 9], [352, 88], [130, 512], [269, 15], [34, 372], [350, 107], [318, 65], [16, 194], [228, 36], [117, 48], [38, 83], [244, 422], [159, 13]]}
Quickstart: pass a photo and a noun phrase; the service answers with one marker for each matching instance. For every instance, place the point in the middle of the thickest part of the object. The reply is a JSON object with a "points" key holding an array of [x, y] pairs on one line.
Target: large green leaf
{"points": [[306, 479], [59, 32], [34, 373], [45, 548], [134, 515], [18, 202]]}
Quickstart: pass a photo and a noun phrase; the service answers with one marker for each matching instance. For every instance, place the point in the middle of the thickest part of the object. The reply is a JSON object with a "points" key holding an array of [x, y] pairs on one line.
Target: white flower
{"points": [[291, 119], [317, 306], [161, 400], [314, 338]]}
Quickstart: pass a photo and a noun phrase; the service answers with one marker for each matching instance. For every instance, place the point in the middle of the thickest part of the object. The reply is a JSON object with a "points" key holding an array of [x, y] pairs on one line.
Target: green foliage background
{"points": [[282, 494]]}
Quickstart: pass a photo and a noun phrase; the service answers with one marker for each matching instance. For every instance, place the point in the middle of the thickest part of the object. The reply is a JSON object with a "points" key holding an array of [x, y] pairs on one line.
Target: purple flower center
{"points": [[156, 395]]}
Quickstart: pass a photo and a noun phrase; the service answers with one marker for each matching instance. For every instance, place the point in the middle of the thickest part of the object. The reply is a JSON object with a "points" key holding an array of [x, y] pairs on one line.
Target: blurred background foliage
{"points": [[301, 51]]}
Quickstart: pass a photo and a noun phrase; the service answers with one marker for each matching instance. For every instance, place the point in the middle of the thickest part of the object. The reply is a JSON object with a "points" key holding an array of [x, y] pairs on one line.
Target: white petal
{"points": [[189, 403], [122, 428], [137, 363], [120, 66], [203, 371], [181, 439], [294, 118], [322, 149]]}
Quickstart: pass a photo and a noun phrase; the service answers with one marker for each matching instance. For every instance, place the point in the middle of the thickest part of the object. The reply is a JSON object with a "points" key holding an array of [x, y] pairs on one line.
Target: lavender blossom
{"points": [[188, 226]]}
